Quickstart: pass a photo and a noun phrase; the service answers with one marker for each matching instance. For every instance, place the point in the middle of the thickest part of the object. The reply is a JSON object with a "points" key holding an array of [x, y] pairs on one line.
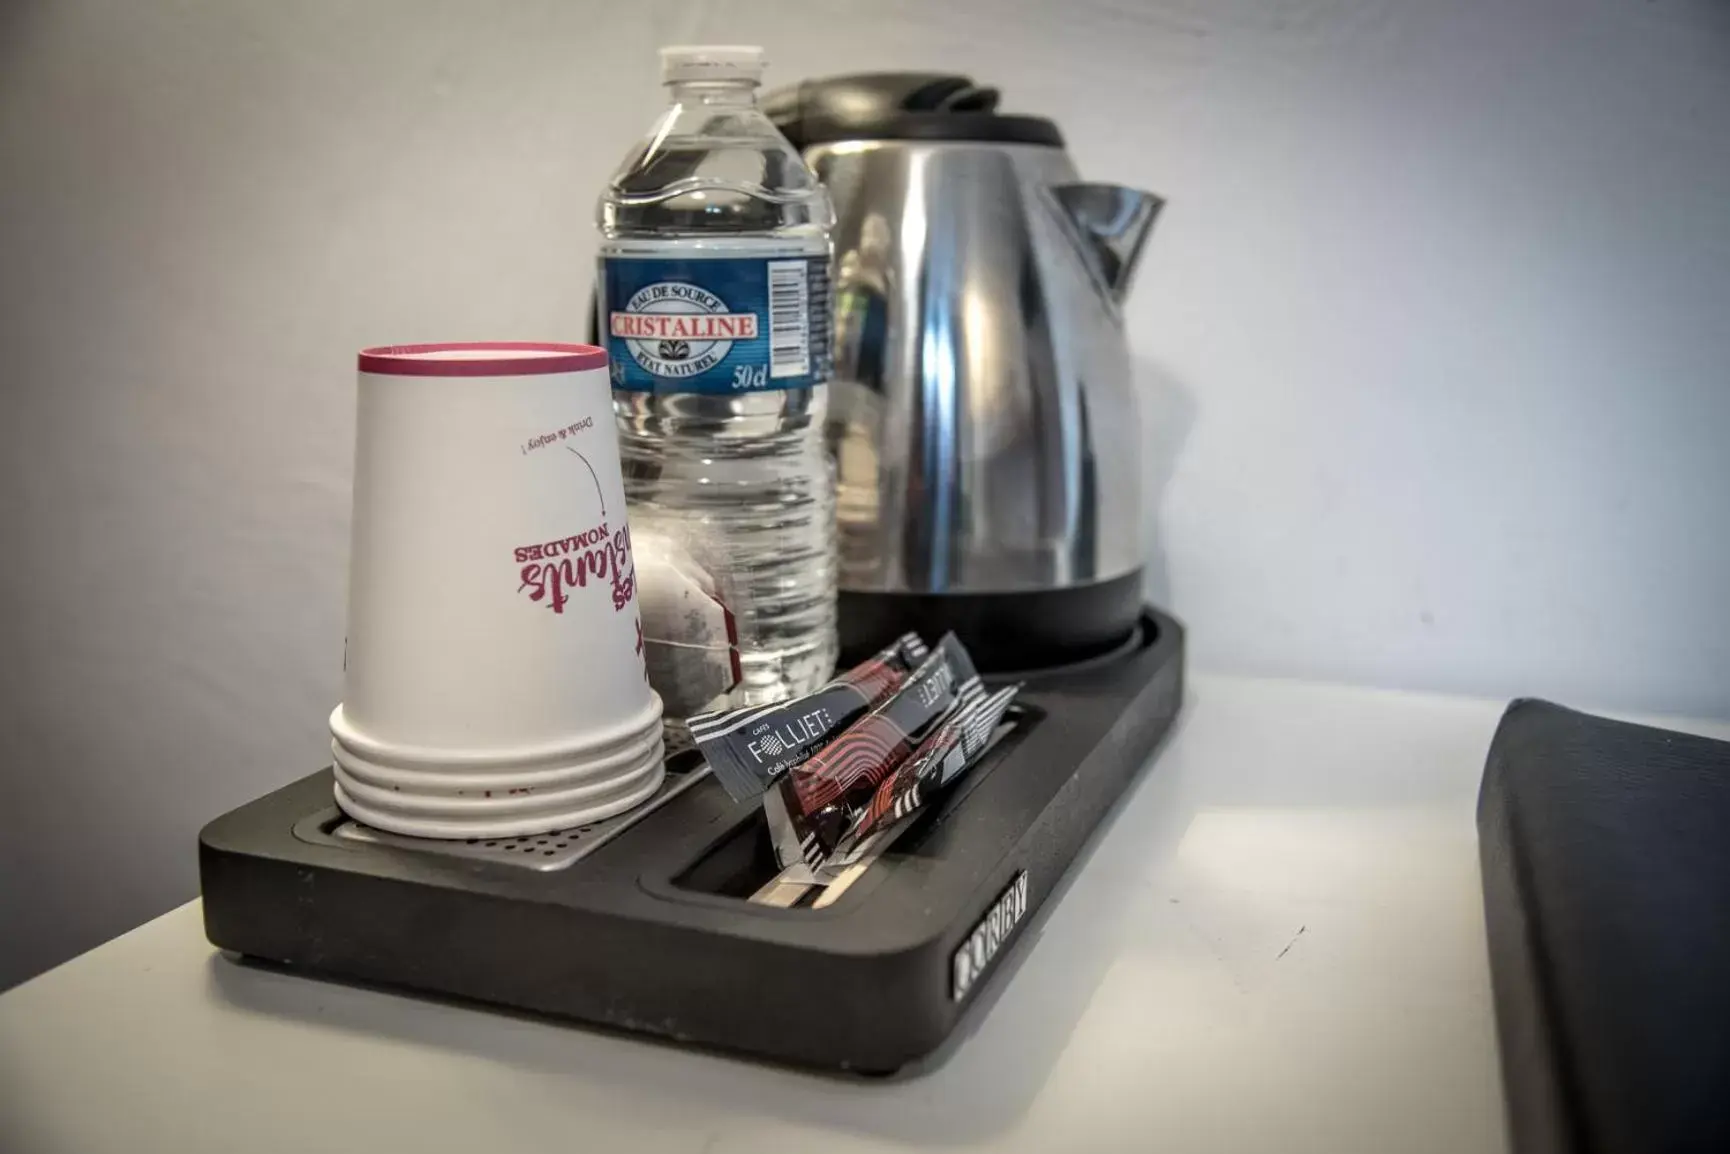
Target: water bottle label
{"points": [[724, 325]]}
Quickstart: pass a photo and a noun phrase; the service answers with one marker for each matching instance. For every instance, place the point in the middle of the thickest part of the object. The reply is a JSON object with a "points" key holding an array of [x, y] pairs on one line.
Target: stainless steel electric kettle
{"points": [[981, 409]]}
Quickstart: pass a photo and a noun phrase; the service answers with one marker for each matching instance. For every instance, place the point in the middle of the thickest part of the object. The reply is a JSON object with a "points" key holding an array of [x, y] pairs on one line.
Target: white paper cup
{"points": [[586, 802], [634, 792], [493, 629], [531, 777], [353, 747]]}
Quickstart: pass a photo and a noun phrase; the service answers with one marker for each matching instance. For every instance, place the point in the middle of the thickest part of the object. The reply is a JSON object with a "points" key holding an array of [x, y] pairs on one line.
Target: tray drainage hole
{"points": [[540, 841], [560, 844], [546, 853]]}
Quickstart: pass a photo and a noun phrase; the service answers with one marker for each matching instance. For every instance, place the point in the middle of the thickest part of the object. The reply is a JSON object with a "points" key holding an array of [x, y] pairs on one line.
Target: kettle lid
{"points": [[932, 106]]}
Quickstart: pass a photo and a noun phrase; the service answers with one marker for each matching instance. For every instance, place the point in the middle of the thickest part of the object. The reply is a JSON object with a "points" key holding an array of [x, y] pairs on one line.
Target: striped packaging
{"points": [[818, 797], [941, 758], [750, 748]]}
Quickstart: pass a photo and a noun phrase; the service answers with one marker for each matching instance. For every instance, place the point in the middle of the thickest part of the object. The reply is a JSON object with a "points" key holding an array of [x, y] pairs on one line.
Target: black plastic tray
{"points": [[652, 931]]}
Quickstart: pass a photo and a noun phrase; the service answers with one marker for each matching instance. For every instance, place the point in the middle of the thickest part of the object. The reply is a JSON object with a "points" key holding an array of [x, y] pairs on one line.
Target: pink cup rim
{"points": [[481, 359]]}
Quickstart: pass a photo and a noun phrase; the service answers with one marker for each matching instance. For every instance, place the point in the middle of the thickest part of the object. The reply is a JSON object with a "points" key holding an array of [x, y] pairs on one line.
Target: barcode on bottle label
{"points": [[789, 318]]}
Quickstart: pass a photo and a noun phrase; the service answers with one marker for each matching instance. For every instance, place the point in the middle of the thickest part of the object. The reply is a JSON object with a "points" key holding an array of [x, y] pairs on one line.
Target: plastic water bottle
{"points": [[715, 308]]}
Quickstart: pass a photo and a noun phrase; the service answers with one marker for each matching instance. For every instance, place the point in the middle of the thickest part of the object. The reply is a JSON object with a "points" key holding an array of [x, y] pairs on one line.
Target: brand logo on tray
{"points": [[677, 330], [982, 945]]}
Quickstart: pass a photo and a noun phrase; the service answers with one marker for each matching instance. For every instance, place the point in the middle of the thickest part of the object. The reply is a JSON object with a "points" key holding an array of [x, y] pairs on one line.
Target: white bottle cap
{"points": [[711, 62]]}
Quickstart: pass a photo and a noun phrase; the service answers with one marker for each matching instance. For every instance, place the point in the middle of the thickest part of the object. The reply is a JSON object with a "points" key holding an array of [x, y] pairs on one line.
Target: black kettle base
{"points": [[1004, 632]]}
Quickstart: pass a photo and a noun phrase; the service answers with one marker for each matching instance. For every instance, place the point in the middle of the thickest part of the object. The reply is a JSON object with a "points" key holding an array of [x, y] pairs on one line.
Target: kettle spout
{"points": [[1112, 224]]}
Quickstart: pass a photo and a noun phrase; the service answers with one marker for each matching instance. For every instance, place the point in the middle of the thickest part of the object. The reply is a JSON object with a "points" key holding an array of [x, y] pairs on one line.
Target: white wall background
{"points": [[1434, 342]]}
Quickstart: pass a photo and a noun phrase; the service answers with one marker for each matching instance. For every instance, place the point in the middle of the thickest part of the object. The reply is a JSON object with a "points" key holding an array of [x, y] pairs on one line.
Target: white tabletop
{"points": [[1277, 944]]}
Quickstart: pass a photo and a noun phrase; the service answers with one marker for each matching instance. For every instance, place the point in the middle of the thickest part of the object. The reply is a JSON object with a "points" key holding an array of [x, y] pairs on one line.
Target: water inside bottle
{"points": [[729, 459]]}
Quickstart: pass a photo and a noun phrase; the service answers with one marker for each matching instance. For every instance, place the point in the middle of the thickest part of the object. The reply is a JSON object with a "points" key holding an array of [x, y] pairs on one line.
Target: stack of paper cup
{"points": [[495, 678]]}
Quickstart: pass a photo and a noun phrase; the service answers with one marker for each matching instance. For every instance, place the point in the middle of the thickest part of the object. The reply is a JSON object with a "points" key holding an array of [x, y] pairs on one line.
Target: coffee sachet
{"points": [[814, 803], [750, 748], [950, 751]]}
